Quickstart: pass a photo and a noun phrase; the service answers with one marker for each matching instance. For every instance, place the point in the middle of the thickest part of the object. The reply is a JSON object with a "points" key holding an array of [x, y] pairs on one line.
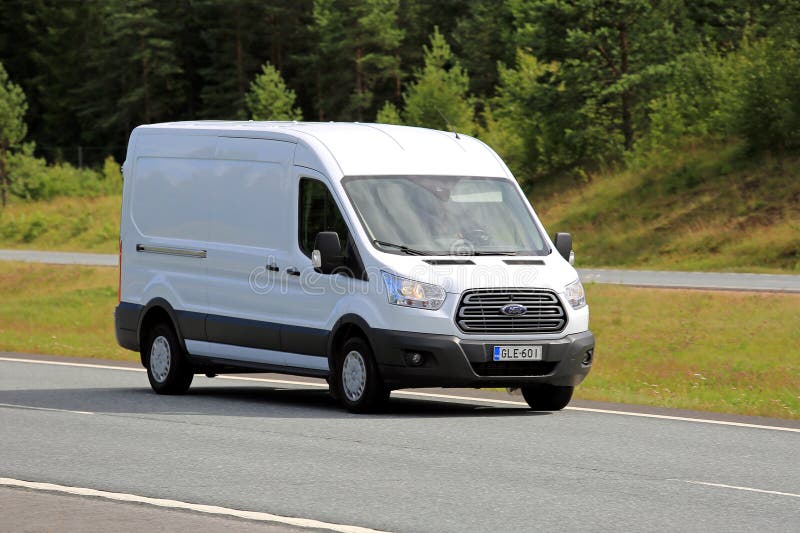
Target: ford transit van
{"points": [[377, 257]]}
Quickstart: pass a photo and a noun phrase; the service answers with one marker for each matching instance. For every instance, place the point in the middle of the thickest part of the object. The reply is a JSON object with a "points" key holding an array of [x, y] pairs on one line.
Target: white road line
{"points": [[454, 397], [685, 419], [65, 363], [749, 489], [437, 396], [278, 381], [175, 504], [17, 406]]}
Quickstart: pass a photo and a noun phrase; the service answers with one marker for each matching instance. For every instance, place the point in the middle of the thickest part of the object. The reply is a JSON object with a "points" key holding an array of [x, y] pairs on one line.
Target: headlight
{"points": [[575, 294], [410, 293]]}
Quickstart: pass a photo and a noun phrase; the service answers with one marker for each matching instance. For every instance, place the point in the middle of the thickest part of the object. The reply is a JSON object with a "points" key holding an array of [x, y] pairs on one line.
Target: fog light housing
{"points": [[414, 358], [587, 358]]}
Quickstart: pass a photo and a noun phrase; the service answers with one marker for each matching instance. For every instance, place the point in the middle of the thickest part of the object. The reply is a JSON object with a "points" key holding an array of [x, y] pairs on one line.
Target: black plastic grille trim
{"points": [[514, 368], [479, 312], [523, 261], [449, 261]]}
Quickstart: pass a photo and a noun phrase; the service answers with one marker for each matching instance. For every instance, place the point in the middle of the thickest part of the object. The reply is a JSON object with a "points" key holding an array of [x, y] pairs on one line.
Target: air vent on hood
{"points": [[523, 261], [449, 261]]}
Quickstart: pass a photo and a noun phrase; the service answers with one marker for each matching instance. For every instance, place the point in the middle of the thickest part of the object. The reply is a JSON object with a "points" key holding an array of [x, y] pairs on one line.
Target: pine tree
{"points": [[376, 42], [270, 99], [482, 38], [12, 124], [418, 20], [240, 36], [65, 45], [18, 45], [329, 59], [613, 54], [438, 97], [133, 75], [388, 114], [362, 37], [232, 35]]}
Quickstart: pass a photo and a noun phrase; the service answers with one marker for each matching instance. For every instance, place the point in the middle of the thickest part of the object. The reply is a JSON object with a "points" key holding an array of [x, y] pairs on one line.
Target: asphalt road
{"points": [[59, 258], [636, 278], [425, 464], [693, 280]]}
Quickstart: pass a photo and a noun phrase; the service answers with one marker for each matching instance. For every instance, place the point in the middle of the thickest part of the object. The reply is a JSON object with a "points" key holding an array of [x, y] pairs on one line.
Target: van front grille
{"points": [[480, 312]]}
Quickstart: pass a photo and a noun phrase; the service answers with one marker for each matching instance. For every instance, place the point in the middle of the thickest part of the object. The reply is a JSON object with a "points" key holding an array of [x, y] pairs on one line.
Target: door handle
{"points": [[292, 271], [272, 267]]}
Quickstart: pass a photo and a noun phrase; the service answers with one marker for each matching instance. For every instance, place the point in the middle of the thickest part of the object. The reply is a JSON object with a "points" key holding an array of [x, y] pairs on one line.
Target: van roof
{"points": [[359, 149]]}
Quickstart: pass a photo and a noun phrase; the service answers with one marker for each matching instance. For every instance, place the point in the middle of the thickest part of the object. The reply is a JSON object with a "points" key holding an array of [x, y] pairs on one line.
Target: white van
{"points": [[375, 256]]}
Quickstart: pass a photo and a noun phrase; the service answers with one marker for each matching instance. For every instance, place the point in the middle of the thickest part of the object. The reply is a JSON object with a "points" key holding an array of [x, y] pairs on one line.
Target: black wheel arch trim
{"points": [[347, 321], [164, 305]]}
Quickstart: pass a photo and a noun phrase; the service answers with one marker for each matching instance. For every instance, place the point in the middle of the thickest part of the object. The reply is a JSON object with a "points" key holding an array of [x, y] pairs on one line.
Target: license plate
{"points": [[517, 353]]}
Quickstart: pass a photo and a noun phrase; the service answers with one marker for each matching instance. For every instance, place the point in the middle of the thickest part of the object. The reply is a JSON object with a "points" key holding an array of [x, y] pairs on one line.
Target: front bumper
{"points": [[454, 362]]}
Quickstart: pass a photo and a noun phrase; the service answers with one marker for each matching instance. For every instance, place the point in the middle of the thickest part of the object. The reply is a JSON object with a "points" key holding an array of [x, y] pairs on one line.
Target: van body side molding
{"points": [[245, 354], [170, 250], [262, 335]]}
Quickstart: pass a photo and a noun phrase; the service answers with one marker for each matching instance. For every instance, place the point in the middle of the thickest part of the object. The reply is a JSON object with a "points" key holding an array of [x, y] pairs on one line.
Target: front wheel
{"points": [[544, 397], [358, 384], [168, 370]]}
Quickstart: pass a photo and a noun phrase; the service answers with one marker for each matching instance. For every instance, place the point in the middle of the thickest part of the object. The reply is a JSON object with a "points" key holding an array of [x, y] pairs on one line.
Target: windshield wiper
{"points": [[403, 248]]}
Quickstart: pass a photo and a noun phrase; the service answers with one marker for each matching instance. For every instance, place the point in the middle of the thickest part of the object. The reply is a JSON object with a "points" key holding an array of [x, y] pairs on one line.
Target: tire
{"points": [[357, 383], [547, 397], [168, 369]]}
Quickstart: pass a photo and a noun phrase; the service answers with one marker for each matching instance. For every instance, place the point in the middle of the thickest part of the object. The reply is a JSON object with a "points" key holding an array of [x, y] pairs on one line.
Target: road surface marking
{"points": [[685, 419], [17, 406], [433, 395], [175, 504], [749, 489], [454, 397], [65, 363], [279, 381]]}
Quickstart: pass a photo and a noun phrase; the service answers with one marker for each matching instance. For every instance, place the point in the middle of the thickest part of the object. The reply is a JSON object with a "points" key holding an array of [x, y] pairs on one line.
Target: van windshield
{"points": [[445, 215]]}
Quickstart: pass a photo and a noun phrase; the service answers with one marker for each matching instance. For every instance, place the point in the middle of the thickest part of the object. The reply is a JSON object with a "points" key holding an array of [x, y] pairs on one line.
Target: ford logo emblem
{"points": [[513, 309]]}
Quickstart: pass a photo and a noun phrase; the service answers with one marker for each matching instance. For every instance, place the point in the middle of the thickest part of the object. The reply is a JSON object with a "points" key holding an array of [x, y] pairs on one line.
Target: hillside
{"points": [[66, 223], [708, 207]]}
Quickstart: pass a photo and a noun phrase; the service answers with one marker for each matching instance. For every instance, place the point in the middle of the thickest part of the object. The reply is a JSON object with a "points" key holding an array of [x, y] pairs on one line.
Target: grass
{"points": [[61, 310], [715, 351], [66, 223], [711, 351], [708, 207]]}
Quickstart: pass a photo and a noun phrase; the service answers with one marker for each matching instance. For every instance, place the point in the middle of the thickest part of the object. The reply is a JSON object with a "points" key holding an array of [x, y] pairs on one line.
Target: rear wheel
{"points": [[168, 369], [357, 384], [544, 397]]}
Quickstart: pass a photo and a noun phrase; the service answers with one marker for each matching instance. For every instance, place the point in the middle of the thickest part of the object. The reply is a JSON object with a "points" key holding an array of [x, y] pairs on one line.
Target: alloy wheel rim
{"points": [[160, 358], [354, 376]]}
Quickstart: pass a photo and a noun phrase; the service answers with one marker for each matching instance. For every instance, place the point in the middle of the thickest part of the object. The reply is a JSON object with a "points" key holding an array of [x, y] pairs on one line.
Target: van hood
{"points": [[457, 274]]}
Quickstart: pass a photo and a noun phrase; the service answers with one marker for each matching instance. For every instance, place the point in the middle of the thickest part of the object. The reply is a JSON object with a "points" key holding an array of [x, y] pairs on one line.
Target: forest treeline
{"points": [[559, 87]]}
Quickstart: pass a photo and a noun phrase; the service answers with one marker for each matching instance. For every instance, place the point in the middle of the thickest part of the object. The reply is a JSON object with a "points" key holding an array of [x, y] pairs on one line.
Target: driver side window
{"points": [[318, 212]]}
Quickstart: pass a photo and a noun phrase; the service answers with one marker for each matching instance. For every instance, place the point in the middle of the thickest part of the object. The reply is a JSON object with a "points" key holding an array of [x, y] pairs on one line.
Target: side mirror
{"points": [[563, 242], [327, 254]]}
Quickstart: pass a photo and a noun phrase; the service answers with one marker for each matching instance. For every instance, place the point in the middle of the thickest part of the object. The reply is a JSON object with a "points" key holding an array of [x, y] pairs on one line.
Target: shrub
{"points": [[750, 93], [769, 112], [33, 179]]}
